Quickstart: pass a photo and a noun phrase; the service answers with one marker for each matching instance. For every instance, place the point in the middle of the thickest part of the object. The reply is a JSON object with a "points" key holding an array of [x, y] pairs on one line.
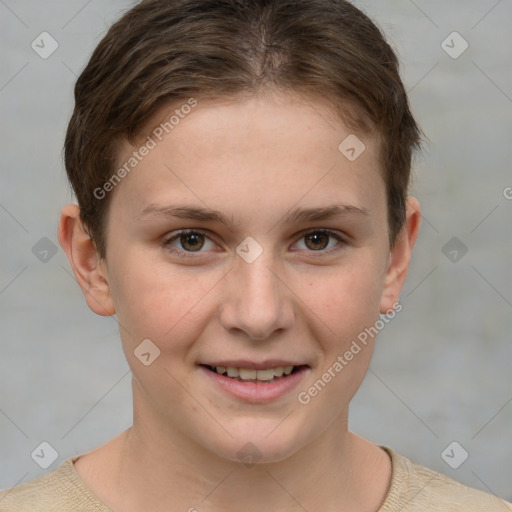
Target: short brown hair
{"points": [[165, 51]]}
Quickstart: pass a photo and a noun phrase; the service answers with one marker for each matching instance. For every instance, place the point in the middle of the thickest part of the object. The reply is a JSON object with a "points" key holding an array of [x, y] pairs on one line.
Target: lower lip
{"points": [[257, 391]]}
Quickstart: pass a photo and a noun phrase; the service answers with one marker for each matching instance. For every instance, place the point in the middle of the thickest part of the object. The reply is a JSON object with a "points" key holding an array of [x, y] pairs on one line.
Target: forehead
{"points": [[254, 154]]}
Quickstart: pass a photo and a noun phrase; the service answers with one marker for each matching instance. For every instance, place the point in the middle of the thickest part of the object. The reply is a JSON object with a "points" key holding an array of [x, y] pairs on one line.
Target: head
{"points": [[283, 121]]}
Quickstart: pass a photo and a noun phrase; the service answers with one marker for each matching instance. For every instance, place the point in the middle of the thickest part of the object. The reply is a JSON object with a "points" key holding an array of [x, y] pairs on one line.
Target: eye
{"points": [[321, 240], [189, 243], [185, 243]]}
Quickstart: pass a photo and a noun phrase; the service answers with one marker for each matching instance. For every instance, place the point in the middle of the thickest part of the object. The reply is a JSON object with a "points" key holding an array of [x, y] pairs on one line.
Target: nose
{"points": [[257, 301]]}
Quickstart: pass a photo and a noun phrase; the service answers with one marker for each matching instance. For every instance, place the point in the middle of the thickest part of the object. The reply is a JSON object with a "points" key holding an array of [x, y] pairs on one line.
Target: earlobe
{"points": [[90, 271], [400, 257]]}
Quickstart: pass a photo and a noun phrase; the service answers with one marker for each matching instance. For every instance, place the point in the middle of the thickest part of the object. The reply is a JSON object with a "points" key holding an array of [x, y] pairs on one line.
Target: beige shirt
{"points": [[413, 488]]}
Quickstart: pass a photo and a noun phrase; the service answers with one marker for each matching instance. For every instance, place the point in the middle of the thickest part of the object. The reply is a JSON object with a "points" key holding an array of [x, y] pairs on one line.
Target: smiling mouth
{"points": [[265, 376]]}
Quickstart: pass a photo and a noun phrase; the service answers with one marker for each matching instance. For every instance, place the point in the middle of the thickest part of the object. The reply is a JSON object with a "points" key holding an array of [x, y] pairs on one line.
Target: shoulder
{"points": [[414, 488], [61, 490]]}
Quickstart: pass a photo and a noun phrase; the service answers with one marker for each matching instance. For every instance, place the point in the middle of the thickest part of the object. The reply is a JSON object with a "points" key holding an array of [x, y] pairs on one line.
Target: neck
{"points": [[149, 467]]}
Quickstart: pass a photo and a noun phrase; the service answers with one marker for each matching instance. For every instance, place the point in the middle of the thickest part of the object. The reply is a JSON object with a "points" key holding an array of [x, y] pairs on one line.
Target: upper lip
{"points": [[244, 363]]}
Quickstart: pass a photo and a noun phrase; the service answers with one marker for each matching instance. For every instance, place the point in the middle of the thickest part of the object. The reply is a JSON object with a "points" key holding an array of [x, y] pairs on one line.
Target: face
{"points": [[246, 240]]}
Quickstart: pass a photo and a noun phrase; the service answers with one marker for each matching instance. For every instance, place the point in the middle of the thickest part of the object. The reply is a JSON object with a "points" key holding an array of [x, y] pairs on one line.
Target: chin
{"points": [[258, 445]]}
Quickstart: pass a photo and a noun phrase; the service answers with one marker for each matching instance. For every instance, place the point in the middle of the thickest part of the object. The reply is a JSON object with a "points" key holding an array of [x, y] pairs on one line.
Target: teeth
{"points": [[251, 374], [278, 372], [264, 374], [247, 374], [233, 372]]}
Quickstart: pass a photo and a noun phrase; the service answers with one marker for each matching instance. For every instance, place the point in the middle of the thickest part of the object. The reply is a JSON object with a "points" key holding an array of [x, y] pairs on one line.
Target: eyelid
{"points": [[342, 240]]}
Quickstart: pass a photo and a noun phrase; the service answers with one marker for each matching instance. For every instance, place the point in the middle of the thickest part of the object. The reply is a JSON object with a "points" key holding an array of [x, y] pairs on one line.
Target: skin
{"points": [[254, 159]]}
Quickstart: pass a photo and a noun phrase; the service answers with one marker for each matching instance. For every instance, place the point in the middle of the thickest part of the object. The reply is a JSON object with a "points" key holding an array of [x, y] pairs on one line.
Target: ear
{"points": [[90, 271], [400, 256]]}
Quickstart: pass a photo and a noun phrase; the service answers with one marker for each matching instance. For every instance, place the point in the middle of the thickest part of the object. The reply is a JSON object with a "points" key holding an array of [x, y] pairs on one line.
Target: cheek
{"points": [[348, 303], [347, 298], [156, 300]]}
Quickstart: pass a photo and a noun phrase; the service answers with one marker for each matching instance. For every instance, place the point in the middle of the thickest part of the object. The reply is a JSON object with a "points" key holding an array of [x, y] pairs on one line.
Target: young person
{"points": [[241, 169]]}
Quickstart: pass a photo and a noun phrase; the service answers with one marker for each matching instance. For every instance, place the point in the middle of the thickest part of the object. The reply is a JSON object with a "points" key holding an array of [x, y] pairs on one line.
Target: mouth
{"points": [[256, 375]]}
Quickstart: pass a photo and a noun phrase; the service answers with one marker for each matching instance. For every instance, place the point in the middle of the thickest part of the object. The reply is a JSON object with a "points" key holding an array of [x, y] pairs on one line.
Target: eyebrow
{"points": [[323, 213], [186, 212], [298, 215]]}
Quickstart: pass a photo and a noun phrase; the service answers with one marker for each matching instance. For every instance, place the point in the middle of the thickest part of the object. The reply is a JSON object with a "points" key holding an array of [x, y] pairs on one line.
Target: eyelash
{"points": [[194, 254]]}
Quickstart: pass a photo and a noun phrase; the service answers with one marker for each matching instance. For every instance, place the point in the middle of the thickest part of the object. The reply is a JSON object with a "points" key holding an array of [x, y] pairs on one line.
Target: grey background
{"points": [[441, 371]]}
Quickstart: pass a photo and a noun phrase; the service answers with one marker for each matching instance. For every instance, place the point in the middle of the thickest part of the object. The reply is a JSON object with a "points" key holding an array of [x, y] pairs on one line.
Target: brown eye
{"points": [[321, 241], [192, 241], [317, 241]]}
